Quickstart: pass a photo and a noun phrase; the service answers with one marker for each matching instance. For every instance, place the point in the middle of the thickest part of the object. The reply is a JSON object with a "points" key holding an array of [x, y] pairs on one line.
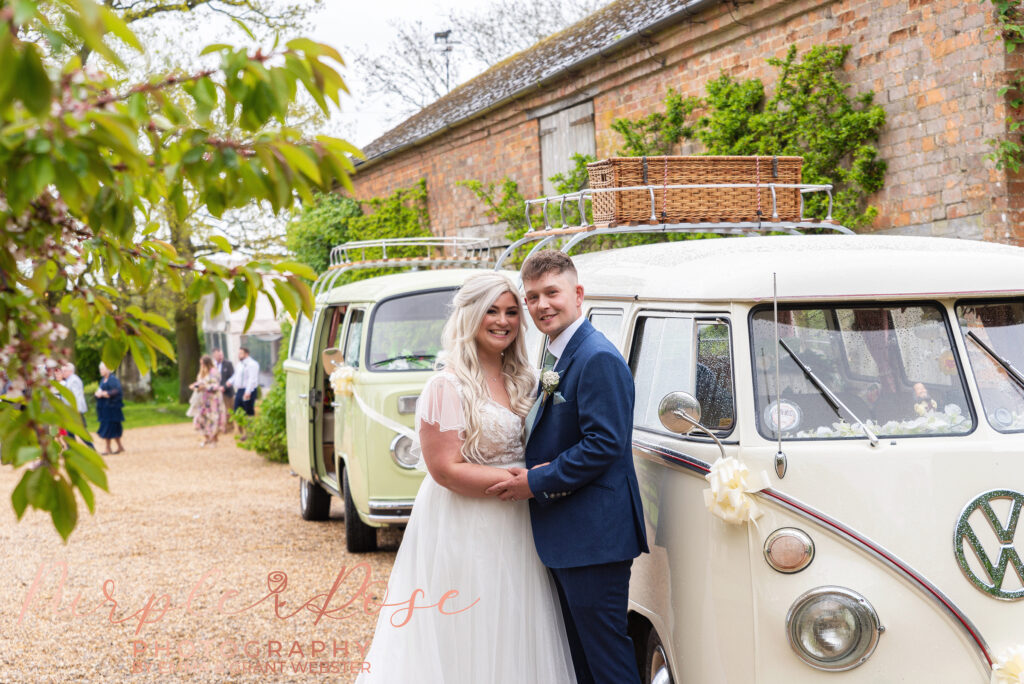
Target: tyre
{"points": [[656, 668], [359, 537], [314, 502]]}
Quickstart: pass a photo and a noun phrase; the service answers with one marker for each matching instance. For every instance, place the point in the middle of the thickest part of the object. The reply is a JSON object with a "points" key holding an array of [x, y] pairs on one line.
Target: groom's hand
{"points": [[516, 488]]}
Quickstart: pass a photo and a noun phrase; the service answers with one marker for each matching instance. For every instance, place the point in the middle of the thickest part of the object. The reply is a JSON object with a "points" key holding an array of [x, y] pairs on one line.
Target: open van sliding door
{"points": [[322, 414], [297, 384]]}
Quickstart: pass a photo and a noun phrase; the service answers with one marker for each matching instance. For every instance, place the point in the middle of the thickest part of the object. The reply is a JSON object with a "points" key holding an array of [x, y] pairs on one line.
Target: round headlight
{"points": [[833, 628], [401, 452]]}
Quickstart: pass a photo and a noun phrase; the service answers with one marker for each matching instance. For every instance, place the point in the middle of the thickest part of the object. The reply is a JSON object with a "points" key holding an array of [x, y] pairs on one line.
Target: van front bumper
{"points": [[389, 512]]}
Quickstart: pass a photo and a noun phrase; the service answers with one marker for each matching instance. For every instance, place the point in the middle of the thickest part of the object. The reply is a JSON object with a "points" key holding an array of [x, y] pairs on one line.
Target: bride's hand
{"points": [[541, 465]]}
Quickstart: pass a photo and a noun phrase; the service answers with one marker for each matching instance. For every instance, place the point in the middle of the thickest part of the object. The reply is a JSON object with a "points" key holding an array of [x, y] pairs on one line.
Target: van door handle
{"points": [[335, 404], [303, 396]]}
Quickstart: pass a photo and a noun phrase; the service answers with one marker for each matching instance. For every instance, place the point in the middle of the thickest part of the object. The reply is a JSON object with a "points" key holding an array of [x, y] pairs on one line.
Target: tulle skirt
{"points": [[483, 549]]}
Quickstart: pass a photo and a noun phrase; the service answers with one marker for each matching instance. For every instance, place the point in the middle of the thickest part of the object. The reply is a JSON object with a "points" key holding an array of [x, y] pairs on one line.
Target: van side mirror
{"points": [[680, 412], [332, 358]]}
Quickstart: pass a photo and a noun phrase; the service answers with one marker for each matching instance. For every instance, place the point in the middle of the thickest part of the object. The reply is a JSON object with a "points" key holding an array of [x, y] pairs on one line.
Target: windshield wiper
{"points": [[406, 357], [829, 395], [1013, 372]]}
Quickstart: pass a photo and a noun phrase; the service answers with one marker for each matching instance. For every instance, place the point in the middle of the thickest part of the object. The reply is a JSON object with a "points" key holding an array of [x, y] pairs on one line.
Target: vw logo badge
{"points": [[967, 540]]}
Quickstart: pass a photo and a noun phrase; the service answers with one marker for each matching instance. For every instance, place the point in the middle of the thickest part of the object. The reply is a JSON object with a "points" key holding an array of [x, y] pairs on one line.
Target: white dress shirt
{"points": [[557, 346], [247, 375], [74, 383]]}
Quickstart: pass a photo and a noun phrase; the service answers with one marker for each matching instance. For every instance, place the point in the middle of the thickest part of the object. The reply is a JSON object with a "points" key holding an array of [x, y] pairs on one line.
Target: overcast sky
{"points": [[348, 24]]}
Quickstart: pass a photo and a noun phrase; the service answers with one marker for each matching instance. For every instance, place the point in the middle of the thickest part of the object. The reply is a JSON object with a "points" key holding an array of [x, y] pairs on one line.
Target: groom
{"points": [[587, 520]]}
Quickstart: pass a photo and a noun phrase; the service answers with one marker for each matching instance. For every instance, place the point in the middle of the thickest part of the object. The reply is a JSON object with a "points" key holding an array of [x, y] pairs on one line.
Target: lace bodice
{"points": [[501, 441]]}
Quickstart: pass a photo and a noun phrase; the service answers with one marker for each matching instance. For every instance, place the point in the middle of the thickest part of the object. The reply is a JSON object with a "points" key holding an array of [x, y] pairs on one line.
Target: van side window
{"points": [[300, 339], [353, 338], [608, 322], [662, 361], [714, 380], [680, 354]]}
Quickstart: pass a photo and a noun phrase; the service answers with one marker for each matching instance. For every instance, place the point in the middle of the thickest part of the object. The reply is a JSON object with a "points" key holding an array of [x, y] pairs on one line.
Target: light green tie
{"points": [[549, 363]]}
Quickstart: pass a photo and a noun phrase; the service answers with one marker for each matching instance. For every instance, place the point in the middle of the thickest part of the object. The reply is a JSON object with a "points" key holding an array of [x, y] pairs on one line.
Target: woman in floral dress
{"points": [[210, 414]]}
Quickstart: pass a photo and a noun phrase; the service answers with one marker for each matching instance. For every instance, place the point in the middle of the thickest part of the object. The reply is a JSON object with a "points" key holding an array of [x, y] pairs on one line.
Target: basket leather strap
{"points": [[757, 168]]}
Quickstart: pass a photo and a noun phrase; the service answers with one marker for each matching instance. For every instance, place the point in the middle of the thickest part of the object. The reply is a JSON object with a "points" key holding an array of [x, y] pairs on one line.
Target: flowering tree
{"points": [[90, 168]]}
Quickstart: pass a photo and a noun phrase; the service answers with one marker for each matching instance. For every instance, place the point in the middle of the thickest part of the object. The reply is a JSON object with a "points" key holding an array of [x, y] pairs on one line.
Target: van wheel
{"points": [[359, 537], [656, 669], [314, 502]]}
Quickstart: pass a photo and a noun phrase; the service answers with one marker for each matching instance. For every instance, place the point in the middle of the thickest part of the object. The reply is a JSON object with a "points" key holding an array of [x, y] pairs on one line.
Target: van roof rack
{"points": [[576, 234], [429, 252]]}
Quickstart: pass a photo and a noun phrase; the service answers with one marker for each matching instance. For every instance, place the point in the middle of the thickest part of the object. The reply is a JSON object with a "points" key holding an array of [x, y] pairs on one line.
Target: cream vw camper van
{"points": [[829, 440]]}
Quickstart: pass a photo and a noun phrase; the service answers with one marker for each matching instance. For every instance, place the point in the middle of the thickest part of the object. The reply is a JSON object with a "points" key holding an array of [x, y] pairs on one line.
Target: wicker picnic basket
{"points": [[697, 205]]}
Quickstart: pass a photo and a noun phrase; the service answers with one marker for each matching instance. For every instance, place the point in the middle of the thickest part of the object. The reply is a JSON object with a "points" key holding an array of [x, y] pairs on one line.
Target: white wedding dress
{"points": [[482, 548]]}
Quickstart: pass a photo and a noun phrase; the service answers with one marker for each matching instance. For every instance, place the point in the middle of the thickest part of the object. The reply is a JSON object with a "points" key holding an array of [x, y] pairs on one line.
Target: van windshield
{"points": [[892, 367], [994, 336], [405, 333]]}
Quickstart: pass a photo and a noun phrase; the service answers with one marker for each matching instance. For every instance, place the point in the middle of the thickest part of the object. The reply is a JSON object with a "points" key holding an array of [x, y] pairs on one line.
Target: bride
{"points": [[505, 624]]}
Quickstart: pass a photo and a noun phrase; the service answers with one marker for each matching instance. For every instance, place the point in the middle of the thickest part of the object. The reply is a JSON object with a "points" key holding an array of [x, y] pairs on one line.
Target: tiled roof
{"points": [[608, 28]]}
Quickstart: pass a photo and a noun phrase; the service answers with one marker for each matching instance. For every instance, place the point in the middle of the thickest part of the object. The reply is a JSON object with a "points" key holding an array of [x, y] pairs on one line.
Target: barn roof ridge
{"points": [[611, 27]]}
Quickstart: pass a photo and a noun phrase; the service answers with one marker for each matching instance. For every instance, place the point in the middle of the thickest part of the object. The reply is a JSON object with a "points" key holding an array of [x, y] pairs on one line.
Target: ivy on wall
{"points": [[1008, 152], [504, 203], [333, 220], [809, 114]]}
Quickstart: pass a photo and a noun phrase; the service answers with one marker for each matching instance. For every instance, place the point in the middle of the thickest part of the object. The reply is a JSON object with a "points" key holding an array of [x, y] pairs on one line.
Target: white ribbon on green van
{"points": [[382, 419], [343, 383]]}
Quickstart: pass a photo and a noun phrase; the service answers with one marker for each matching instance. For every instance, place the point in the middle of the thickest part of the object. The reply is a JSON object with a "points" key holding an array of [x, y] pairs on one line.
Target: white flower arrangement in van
{"points": [[950, 420]]}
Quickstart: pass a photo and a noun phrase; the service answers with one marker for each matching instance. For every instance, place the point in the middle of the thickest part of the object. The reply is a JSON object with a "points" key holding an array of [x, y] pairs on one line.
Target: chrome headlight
{"points": [[833, 628], [401, 452]]}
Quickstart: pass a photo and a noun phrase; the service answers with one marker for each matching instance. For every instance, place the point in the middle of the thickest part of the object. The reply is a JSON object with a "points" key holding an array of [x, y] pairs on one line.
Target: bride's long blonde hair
{"points": [[477, 294]]}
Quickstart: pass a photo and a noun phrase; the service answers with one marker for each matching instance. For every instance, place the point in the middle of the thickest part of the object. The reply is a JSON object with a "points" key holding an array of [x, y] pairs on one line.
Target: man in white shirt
{"points": [[74, 383], [244, 380]]}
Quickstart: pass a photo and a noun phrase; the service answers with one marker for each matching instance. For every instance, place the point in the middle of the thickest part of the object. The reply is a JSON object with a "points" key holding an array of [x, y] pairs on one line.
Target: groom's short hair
{"points": [[547, 261]]}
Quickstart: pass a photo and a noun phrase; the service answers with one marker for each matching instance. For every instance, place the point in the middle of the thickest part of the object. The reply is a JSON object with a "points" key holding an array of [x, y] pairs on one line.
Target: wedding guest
{"points": [[225, 369], [244, 381], [108, 409], [210, 412], [74, 383]]}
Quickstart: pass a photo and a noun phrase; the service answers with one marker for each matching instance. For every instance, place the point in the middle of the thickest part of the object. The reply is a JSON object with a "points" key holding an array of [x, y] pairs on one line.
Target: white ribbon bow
{"points": [[730, 494]]}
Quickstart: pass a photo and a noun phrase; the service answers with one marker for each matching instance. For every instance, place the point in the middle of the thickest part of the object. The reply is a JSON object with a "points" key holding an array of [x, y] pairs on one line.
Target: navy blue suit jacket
{"points": [[586, 508]]}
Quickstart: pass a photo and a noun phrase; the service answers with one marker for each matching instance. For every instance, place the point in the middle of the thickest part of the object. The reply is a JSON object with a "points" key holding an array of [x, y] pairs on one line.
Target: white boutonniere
{"points": [[549, 382]]}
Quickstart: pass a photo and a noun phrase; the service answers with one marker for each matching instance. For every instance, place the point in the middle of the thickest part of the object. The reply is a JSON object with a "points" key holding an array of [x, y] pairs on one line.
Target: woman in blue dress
{"points": [[108, 409]]}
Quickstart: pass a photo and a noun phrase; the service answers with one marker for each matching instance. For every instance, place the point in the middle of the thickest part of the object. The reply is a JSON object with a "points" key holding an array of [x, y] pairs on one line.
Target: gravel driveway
{"points": [[196, 567]]}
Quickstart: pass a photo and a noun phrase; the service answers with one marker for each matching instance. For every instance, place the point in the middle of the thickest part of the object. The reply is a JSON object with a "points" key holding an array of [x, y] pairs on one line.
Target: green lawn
{"points": [[165, 410]]}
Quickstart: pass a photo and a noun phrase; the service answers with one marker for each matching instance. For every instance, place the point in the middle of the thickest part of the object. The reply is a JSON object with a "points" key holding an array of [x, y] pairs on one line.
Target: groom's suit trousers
{"points": [[595, 603]]}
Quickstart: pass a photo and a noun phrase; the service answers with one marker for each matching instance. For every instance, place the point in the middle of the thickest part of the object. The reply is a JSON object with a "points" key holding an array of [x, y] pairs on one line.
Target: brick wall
{"points": [[934, 66]]}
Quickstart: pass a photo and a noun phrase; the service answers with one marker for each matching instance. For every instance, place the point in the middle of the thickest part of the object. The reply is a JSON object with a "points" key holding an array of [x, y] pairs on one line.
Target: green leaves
{"points": [[34, 84], [91, 167]]}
